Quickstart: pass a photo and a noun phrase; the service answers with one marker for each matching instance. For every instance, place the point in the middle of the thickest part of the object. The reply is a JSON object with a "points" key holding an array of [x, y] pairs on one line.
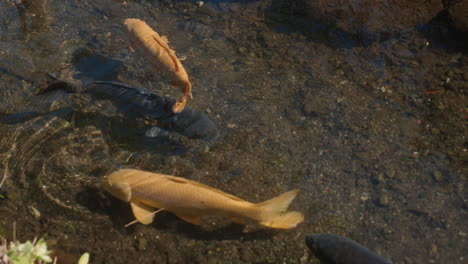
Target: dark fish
{"points": [[335, 249], [132, 100], [141, 102]]}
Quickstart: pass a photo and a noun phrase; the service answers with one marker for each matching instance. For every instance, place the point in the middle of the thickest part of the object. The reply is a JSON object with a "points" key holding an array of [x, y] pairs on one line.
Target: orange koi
{"points": [[160, 57], [190, 200]]}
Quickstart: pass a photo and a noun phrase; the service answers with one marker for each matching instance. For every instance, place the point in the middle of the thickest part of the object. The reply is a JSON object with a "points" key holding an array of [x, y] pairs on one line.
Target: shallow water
{"points": [[373, 134]]}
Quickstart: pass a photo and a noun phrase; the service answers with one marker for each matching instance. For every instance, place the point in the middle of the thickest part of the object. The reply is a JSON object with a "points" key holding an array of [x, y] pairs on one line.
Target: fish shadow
{"points": [[92, 66], [440, 34], [166, 221], [231, 231], [98, 201]]}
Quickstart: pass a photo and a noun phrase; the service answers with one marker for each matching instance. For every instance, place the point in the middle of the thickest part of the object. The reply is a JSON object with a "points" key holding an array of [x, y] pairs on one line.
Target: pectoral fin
{"points": [[132, 46], [179, 105], [143, 213], [190, 218]]}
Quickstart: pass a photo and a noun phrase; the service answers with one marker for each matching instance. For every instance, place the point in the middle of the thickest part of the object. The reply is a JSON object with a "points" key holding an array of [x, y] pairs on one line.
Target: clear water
{"points": [[372, 134]]}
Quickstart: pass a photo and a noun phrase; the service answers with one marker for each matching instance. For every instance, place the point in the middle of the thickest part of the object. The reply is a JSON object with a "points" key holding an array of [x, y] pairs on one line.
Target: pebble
{"points": [[246, 254], [390, 173], [364, 196], [339, 72], [380, 178], [212, 260], [231, 125], [438, 176], [84, 259], [141, 244], [199, 3], [35, 212], [408, 260], [383, 199], [156, 132], [204, 148], [433, 251]]}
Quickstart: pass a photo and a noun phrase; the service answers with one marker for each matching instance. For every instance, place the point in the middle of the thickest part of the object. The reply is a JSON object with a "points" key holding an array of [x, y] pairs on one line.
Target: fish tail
{"points": [[179, 105], [187, 89], [273, 212], [56, 84]]}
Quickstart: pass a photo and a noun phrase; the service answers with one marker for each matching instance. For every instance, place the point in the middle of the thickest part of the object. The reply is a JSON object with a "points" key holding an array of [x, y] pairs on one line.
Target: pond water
{"points": [[373, 134]]}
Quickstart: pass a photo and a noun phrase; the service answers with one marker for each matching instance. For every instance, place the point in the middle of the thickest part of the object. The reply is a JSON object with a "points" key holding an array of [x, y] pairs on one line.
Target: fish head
{"points": [[130, 23], [118, 187], [311, 243]]}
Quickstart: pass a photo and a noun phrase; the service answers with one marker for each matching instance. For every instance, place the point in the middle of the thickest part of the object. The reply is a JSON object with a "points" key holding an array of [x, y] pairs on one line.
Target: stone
{"points": [[364, 196], [435, 131], [438, 176], [141, 244], [384, 199]]}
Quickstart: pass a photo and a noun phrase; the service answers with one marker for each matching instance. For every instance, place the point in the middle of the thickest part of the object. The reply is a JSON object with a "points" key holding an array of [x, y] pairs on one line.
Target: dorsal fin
{"points": [[164, 38], [201, 185], [178, 180]]}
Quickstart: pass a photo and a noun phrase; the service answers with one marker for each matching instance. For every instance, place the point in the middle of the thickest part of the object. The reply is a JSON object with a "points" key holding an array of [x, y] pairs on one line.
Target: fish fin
{"points": [[193, 219], [132, 47], [121, 191], [179, 105], [237, 220], [177, 180], [136, 221], [143, 213], [188, 90], [169, 51], [182, 180], [164, 38], [274, 213], [186, 87]]}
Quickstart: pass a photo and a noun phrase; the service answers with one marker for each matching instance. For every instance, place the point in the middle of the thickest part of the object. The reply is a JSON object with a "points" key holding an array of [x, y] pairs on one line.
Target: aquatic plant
{"points": [[24, 253], [34, 252]]}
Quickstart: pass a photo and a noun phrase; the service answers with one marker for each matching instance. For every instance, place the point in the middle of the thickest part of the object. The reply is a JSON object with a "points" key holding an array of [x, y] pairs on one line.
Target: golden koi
{"points": [[160, 57], [190, 200]]}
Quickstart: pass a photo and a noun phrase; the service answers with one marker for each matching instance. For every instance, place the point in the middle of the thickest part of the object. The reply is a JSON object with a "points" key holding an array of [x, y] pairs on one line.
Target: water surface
{"points": [[373, 134]]}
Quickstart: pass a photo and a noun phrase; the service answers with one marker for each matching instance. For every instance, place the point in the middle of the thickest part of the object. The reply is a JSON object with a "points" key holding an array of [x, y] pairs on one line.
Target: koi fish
{"points": [[336, 249], [133, 102], [190, 200], [160, 57], [141, 102]]}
